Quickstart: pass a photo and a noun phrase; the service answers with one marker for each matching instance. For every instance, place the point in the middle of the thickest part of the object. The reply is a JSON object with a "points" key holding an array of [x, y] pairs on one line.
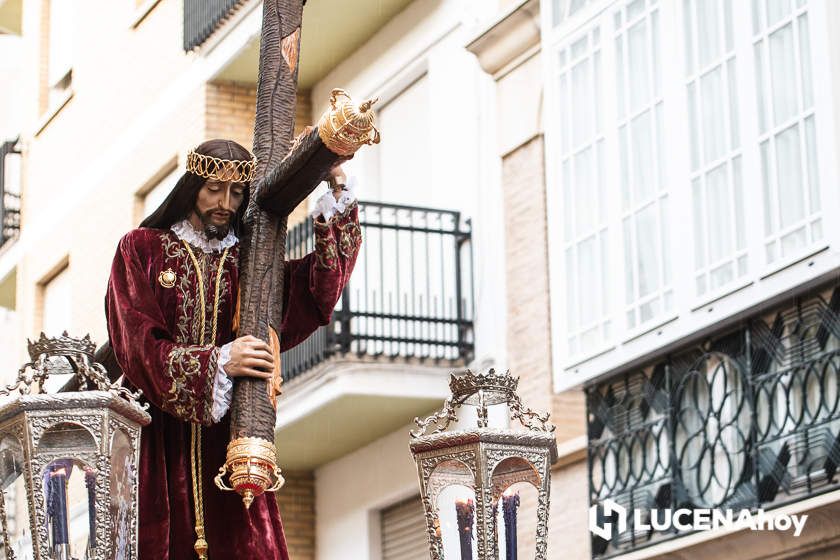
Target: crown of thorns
{"points": [[209, 167]]}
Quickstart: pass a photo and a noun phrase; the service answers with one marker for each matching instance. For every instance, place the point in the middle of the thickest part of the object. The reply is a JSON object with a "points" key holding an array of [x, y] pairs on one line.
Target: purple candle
{"points": [[56, 481], [510, 503], [465, 511]]}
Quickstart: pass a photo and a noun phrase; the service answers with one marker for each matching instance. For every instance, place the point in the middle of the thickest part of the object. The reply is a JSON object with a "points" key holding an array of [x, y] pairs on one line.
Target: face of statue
{"points": [[215, 207]]}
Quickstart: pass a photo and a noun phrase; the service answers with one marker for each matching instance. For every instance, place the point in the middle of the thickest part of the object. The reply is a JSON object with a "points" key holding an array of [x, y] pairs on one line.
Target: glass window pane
{"points": [[688, 33], [642, 157], [740, 234], [557, 12], [576, 5], [569, 210], [694, 126], [635, 8], [734, 131], [585, 192], [595, 100], [721, 275], [816, 230], [564, 126], [776, 10], [767, 180], [571, 275], [600, 165], [581, 103], [647, 259], [805, 62], [793, 241], [698, 206], [782, 73], [719, 214], [760, 87], [708, 30], [813, 168], [714, 115], [649, 310], [789, 176], [588, 295], [605, 286], [629, 252], [619, 75], [758, 25], [626, 187], [727, 22], [664, 231], [637, 56], [654, 27], [660, 148]]}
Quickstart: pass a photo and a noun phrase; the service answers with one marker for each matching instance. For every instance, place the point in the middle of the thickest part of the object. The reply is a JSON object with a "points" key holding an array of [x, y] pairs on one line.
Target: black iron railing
{"points": [[203, 17], [747, 419], [410, 295], [9, 199]]}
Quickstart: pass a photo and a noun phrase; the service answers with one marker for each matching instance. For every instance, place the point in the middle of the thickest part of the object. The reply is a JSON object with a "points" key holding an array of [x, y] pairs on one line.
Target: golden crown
{"points": [[209, 167]]}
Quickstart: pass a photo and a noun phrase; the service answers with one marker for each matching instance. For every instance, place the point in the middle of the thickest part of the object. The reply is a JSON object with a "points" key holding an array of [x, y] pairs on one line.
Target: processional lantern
{"points": [[75, 454], [478, 483]]}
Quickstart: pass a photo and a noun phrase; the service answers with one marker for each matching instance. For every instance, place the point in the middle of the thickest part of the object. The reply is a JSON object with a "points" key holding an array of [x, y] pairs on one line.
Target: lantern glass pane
{"points": [[11, 482], [451, 487], [69, 497], [516, 521], [123, 480], [515, 484]]}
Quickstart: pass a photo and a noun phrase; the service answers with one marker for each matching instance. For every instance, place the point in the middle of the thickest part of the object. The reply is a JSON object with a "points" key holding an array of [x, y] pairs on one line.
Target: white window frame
{"points": [[692, 315]]}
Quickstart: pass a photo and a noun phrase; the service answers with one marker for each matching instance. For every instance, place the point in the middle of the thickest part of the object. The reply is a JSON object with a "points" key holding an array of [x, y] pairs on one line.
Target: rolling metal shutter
{"points": [[404, 531]]}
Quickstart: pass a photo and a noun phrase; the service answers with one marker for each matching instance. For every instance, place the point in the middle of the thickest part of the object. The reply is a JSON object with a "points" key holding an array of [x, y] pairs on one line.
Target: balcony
{"points": [[319, 52], [9, 193], [203, 17], [408, 298], [402, 323], [748, 418]]}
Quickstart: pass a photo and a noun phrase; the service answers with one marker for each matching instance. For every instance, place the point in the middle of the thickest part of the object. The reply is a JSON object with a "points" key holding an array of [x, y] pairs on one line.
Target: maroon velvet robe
{"points": [[155, 333]]}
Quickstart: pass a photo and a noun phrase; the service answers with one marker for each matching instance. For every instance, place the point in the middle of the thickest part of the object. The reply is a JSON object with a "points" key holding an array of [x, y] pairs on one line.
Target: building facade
{"points": [[628, 203]]}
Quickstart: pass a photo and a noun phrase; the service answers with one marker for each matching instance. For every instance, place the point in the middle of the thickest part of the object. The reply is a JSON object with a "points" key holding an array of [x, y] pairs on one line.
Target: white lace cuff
{"points": [[223, 385], [328, 206]]}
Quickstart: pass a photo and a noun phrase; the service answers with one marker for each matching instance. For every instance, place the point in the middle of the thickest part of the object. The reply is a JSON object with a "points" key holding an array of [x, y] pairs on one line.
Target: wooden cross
{"points": [[282, 180]]}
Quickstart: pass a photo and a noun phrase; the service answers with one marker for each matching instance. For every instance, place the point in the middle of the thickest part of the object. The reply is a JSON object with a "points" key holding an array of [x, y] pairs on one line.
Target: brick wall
{"points": [[297, 507], [528, 305]]}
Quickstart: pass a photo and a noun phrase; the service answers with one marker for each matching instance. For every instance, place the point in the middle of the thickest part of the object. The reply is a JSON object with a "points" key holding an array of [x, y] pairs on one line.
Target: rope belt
{"points": [[195, 434]]}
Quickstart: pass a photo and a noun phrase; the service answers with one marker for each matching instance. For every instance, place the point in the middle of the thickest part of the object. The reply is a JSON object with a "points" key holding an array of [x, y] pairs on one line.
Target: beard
{"points": [[211, 230]]}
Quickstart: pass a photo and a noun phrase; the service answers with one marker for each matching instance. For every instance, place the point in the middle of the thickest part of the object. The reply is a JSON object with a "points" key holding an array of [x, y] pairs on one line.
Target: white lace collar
{"points": [[185, 231]]}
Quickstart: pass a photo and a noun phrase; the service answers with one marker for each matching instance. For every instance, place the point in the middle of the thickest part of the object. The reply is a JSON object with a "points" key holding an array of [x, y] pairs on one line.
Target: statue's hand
{"points": [[337, 180], [250, 357]]}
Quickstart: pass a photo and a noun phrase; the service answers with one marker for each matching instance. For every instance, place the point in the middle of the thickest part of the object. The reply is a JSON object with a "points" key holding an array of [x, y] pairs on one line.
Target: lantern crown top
{"points": [[61, 346], [469, 388], [65, 354], [482, 390]]}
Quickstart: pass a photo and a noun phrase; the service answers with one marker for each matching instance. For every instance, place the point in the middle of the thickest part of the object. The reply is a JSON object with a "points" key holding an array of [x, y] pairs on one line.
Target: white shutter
{"points": [[404, 531]]}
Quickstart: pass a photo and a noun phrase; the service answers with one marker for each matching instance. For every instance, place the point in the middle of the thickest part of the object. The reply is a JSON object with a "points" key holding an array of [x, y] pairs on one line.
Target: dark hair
{"points": [[181, 201]]}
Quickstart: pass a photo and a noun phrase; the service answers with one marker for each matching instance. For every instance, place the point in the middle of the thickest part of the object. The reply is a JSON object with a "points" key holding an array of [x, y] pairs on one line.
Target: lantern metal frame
{"points": [[98, 407], [481, 450]]}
